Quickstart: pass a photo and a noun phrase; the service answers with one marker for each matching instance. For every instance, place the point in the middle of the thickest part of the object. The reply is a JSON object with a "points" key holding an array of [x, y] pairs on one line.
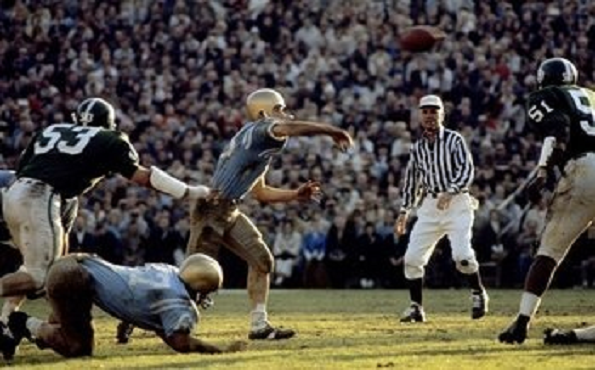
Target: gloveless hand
{"points": [[309, 191], [342, 139], [401, 224]]}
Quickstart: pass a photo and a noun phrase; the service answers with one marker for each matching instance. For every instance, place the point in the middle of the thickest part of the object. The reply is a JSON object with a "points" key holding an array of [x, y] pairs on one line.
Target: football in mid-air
{"points": [[421, 38]]}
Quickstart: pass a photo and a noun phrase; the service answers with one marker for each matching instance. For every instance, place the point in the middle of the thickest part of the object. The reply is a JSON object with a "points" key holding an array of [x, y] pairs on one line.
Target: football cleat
{"points": [[17, 323], [124, 332], [414, 313], [480, 304], [270, 332], [516, 332], [557, 336], [8, 345]]}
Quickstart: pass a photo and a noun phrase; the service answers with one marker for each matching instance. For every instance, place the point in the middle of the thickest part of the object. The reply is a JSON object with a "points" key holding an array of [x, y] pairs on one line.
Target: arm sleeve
{"points": [[556, 124], [178, 316], [262, 135], [123, 158], [411, 183], [463, 171]]}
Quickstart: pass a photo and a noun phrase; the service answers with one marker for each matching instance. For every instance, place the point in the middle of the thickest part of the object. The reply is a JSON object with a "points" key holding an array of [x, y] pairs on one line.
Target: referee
{"points": [[437, 180]]}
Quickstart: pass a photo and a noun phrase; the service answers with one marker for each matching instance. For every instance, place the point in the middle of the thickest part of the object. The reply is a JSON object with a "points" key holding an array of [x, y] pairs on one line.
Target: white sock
{"points": [[33, 324], [529, 304], [585, 334], [259, 317]]}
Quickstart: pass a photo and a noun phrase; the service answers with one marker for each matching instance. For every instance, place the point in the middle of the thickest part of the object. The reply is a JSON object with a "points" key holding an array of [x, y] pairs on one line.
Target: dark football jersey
{"points": [[568, 114], [72, 158]]}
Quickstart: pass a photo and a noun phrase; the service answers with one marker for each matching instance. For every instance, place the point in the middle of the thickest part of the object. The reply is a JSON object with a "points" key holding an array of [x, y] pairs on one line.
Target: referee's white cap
{"points": [[431, 101]]}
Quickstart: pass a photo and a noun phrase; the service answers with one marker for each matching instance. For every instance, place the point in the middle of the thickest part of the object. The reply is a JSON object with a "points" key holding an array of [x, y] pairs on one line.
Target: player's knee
{"points": [[264, 262], [413, 272], [467, 266]]}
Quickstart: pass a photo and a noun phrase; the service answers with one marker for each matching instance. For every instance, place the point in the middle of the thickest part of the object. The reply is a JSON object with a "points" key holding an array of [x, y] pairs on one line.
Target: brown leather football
{"points": [[421, 38]]}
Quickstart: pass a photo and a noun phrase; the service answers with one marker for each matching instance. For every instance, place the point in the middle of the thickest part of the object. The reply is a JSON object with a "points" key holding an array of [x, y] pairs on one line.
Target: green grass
{"points": [[349, 330]]}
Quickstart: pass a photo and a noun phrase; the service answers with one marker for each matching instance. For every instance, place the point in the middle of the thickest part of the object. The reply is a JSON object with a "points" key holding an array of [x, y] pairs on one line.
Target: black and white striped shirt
{"points": [[444, 165]]}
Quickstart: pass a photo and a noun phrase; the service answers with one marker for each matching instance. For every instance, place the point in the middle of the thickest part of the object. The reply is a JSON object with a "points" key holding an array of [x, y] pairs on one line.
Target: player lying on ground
{"points": [[61, 162], [560, 336], [156, 297]]}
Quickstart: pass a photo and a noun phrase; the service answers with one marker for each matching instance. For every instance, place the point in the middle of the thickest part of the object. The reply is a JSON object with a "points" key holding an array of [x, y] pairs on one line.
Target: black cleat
{"points": [[516, 332], [17, 323], [480, 305], [8, 345], [271, 333], [414, 313], [124, 332], [557, 336]]}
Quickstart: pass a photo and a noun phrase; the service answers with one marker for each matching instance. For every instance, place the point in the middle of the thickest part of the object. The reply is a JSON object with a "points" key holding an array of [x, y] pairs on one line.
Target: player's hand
{"points": [[444, 201], [401, 224], [342, 139], [236, 346], [309, 191], [536, 184]]}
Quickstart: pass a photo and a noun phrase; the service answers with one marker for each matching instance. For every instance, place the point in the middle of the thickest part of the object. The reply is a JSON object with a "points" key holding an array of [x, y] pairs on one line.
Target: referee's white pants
{"points": [[32, 213], [433, 224]]}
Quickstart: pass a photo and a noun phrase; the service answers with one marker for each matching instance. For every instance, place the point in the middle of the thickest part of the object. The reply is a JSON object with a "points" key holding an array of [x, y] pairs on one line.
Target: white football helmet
{"points": [[265, 103], [201, 273]]}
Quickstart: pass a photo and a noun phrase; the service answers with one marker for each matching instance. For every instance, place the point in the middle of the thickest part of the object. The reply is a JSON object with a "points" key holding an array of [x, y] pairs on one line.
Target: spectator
{"points": [[163, 240], [108, 246], [286, 249], [314, 252], [80, 239], [338, 63]]}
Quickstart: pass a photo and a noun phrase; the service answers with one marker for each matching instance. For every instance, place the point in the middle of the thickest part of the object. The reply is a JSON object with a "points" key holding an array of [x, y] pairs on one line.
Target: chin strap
{"points": [[204, 301]]}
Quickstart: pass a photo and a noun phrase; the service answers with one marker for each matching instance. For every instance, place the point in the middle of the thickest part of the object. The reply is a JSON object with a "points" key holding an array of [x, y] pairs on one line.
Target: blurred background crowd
{"points": [[178, 72]]}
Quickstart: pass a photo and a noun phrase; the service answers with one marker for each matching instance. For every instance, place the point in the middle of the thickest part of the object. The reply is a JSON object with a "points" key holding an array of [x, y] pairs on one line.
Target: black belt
{"points": [[436, 195]]}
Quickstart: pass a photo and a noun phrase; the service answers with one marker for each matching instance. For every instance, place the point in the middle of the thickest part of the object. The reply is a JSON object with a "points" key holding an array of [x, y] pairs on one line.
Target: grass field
{"points": [[350, 330]]}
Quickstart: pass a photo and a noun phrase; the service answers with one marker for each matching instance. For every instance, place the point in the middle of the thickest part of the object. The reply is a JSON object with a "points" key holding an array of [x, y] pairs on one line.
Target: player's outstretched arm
{"points": [[186, 343], [263, 193], [306, 128], [162, 181]]}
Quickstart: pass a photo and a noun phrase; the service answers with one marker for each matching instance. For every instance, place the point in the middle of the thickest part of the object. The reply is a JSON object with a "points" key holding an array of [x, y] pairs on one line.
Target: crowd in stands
{"points": [[178, 72]]}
